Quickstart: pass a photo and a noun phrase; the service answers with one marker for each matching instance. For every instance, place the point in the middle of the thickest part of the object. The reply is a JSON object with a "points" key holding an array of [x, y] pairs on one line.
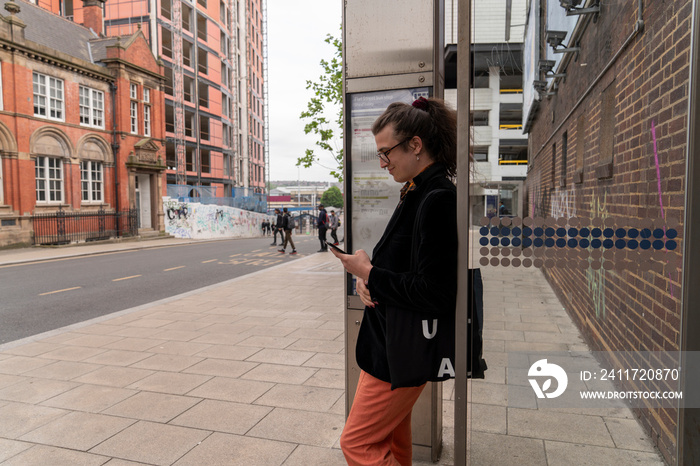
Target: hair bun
{"points": [[421, 103]]}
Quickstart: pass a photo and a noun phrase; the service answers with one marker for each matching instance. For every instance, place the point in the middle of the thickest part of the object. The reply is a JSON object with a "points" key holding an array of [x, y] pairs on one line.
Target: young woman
{"points": [[409, 286]]}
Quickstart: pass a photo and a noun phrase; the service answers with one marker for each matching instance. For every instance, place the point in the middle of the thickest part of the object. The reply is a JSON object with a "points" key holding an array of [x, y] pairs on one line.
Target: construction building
{"points": [[215, 58]]}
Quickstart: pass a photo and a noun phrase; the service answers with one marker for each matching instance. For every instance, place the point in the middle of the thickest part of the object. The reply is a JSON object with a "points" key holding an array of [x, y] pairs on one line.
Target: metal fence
{"points": [[63, 227]]}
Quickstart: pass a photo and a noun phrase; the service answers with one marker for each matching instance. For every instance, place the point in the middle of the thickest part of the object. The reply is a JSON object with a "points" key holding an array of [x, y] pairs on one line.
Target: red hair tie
{"points": [[421, 103]]}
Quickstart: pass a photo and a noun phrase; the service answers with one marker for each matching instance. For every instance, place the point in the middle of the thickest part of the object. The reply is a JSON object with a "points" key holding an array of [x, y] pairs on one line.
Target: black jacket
{"points": [[414, 280]]}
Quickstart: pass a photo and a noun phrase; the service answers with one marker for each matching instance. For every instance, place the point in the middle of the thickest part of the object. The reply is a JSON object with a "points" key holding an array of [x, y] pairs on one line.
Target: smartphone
{"points": [[336, 248]]}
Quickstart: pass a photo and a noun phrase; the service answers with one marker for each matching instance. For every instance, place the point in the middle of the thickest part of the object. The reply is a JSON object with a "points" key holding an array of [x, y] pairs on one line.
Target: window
{"points": [[146, 120], [202, 27], [189, 123], [49, 180], [166, 8], [168, 87], [202, 2], [481, 153], [48, 89], [91, 107], [564, 155], [134, 114], [167, 42], [170, 156], [580, 148], [607, 132], [91, 181], [480, 117], [146, 95], [134, 91], [222, 43], [186, 17], [188, 88], [204, 128], [186, 53], [189, 159], [205, 156], [202, 60], [169, 118], [203, 94]]}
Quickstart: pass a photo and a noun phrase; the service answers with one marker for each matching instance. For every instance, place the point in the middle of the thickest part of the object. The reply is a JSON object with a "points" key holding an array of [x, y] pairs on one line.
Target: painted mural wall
{"points": [[201, 221]]}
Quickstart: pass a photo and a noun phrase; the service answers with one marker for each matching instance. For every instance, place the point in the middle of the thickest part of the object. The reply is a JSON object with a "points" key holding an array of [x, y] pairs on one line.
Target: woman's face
{"points": [[403, 164]]}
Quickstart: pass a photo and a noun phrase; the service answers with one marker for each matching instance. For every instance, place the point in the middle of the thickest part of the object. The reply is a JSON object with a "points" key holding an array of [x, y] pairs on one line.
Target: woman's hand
{"points": [[357, 264], [363, 293]]}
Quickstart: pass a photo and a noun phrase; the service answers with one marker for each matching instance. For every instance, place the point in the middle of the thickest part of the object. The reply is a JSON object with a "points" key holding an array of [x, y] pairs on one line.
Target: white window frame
{"points": [[49, 97], [147, 120], [133, 91], [92, 103], [47, 183], [134, 117], [91, 182], [146, 95]]}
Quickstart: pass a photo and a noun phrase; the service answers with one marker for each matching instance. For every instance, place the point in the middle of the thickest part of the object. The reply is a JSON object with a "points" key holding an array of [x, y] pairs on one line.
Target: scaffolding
{"points": [[266, 110], [178, 96]]}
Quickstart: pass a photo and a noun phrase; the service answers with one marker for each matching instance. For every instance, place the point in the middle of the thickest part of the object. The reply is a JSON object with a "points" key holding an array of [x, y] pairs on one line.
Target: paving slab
{"points": [[236, 450]]}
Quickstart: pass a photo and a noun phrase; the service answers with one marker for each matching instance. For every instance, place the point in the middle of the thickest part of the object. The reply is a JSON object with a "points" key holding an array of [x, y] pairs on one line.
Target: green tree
{"points": [[328, 92], [332, 197]]}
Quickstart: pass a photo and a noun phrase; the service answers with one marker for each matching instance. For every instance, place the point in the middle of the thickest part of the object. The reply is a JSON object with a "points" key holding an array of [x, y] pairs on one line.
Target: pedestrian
{"points": [[333, 224], [409, 287], [277, 228], [322, 223], [502, 210], [264, 226], [287, 227]]}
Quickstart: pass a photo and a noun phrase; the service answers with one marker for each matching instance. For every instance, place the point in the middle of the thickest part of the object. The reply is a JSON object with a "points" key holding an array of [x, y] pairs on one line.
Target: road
{"points": [[41, 296]]}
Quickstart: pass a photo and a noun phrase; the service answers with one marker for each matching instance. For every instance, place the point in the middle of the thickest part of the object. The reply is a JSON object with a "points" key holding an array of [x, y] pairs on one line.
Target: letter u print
{"points": [[426, 331]]}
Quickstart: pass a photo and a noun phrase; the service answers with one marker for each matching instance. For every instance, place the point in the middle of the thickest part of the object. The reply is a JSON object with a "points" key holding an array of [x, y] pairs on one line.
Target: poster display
{"points": [[373, 192]]}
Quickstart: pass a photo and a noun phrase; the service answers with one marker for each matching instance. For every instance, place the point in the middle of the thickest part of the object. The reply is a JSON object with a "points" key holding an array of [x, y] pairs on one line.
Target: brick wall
{"points": [[634, 115]]}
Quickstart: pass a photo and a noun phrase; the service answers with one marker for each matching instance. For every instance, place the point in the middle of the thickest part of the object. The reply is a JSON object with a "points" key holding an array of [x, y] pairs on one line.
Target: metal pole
{"points": [[463, 184], [688, 440]]}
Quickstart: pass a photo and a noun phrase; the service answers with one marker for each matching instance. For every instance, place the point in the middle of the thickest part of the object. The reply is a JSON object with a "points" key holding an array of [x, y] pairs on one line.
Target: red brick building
{"points": [[608, 149], [81, 121]]}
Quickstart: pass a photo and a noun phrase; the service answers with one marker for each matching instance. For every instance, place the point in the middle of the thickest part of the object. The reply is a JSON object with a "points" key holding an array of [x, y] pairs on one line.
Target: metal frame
{"points": [[461, 426], [688, 440]]}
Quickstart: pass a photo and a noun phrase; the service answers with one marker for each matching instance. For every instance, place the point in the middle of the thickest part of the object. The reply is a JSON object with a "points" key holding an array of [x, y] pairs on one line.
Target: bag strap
{"points": [[415, 223]]}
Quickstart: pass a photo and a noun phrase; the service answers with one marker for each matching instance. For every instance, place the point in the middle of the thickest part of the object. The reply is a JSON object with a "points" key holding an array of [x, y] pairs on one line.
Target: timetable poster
{"points": [[373, 192]]}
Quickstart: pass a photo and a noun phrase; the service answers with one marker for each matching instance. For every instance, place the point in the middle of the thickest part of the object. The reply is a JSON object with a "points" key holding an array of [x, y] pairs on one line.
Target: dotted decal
{"points": [[577, 243]]}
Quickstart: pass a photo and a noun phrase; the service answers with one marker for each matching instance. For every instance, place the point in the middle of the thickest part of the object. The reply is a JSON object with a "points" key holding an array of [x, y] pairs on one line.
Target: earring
{"points": [[417, 157]]}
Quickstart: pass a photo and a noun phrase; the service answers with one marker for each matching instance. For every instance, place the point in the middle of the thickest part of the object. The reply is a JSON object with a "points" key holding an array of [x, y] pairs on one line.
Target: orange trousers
{"points": [[378, 429]]}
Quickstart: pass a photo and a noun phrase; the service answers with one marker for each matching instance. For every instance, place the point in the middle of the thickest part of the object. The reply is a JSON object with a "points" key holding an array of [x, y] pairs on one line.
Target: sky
{"points": [[295, 45]]}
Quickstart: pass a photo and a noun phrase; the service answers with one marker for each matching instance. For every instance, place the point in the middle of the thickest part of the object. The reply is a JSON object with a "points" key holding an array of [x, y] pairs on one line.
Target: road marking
{"points": [[212, 260], [234, 255], [59, 291], [125, 278], [174, 268]]}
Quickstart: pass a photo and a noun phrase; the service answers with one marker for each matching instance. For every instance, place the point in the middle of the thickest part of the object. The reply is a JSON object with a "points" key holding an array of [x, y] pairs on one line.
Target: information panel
{"points": [[374, 193]]}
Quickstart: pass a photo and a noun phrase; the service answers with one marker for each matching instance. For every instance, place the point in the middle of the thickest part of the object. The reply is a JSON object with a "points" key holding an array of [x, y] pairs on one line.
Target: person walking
{"points": [[322, 223], [277, 228], [409, 287], [333, 224], [287, 227]]}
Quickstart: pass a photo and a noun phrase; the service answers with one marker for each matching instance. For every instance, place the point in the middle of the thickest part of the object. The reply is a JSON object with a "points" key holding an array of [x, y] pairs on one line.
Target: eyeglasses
{"points": [[384, 155]]}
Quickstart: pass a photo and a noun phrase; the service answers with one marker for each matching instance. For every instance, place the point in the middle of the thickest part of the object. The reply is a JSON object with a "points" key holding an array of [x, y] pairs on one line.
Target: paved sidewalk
{"points": [[250, 372]]}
